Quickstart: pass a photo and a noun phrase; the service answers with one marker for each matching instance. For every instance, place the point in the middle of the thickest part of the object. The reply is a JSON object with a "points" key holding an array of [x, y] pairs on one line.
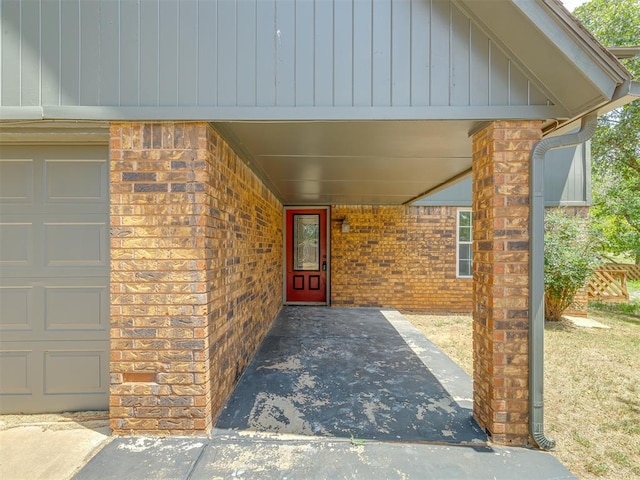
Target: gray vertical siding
{"points": [[566, 176], [129, 54], [265, 54], [400, 53], [30, 81], [50, 50]]}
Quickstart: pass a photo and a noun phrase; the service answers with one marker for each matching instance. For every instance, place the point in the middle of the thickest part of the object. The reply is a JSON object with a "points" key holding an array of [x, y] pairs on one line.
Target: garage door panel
{"points": [[76, 308], [15, 372], [16, 243], [76, 180], [16, 181], [54, 376], [54, 309], [75, 244], [17, 305], [50, 184], [54, 245], [74, 371]]}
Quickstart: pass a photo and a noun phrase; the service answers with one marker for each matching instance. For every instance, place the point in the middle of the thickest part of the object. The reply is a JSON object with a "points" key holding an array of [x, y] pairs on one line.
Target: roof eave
{"points": [[626, 93], [601, 54], [570, 51]]}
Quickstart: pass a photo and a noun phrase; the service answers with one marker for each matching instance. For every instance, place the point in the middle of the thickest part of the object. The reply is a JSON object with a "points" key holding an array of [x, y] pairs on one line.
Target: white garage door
{"points": [[54, 278]]}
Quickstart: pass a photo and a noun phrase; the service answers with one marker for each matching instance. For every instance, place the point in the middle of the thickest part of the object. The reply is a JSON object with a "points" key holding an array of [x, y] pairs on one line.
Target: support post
{"points": [[501, 156]]}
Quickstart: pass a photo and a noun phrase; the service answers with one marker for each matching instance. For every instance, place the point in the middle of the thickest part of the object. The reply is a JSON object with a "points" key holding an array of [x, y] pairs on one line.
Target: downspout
{"points": [[536, 272]]}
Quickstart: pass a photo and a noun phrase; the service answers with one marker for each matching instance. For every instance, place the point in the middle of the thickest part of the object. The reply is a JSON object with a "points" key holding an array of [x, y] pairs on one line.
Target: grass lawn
{"points": [[592, 386]]}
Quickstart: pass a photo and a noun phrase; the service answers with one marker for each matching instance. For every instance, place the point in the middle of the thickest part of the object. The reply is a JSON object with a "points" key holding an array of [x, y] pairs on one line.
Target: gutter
{"points": [[625, 52], [536, 272]]}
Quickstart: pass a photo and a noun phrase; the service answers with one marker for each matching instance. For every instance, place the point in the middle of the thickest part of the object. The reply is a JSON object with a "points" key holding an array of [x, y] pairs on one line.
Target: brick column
{"points": [[196, 274], [501, 283], [160, 299]]}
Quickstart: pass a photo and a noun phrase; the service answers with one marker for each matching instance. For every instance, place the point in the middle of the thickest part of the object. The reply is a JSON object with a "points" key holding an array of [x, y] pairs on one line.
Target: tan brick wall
{"points": [[501, 266], [196, 265], [396, 256]]}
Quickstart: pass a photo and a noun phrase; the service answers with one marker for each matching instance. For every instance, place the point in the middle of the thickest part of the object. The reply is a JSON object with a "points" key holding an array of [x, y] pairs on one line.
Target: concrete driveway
{"points": [[50, 446]]}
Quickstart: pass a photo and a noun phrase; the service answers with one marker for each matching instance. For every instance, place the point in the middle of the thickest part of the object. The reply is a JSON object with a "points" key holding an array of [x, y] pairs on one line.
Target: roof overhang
{"points": [[551, 45], [388, 154], [398, 161]]}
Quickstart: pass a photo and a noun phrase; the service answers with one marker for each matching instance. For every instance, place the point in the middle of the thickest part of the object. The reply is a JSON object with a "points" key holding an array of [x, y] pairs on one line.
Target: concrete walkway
{"points": [[336, 393], [331, 372]]}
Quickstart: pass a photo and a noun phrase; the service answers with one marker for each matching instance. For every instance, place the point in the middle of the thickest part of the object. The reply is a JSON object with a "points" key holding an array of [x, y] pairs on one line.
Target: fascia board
{"points": [[20, 113], [606, 56], [595, 63], [276, 114], [626, 93]]}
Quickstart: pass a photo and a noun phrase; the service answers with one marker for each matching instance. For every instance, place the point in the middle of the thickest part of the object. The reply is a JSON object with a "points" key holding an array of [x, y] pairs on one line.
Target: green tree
{"points": [[616, 143], [570, 255]]}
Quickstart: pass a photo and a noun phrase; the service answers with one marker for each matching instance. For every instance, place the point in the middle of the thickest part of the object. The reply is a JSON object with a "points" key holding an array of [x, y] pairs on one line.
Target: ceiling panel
{"points": [[359, 162]]}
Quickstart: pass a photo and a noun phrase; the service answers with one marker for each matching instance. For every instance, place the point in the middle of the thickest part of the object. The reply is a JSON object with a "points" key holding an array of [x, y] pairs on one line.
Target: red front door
{"points": [[306, 255]]}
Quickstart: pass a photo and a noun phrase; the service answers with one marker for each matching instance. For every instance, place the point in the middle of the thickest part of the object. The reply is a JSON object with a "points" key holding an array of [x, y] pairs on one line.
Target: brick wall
{"points": [[396, 256], [196, 265], [501, 286]]}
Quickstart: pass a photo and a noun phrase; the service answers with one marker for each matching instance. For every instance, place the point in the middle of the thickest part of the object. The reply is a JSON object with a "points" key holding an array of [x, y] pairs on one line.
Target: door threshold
{"points": [[322, 304]]}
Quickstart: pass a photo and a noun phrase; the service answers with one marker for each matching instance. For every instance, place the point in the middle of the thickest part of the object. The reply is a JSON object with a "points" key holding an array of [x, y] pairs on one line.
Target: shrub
{"points": [[571, 253]]}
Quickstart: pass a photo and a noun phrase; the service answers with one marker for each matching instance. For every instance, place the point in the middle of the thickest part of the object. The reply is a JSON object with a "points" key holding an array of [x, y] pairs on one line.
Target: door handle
{"points": [[324, 266]]}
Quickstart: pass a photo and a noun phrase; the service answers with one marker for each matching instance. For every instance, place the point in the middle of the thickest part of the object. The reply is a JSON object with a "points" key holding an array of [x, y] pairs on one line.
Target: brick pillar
{"points": [[160, 300], [501, 283]]}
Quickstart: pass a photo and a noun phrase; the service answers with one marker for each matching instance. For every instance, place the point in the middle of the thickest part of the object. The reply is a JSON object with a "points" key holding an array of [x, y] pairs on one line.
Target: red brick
{"points": [[139, 377]]}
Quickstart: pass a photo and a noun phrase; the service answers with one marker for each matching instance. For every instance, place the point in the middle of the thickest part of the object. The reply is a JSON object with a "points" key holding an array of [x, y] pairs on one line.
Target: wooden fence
{"points": [[633, 271], [609, 285]]}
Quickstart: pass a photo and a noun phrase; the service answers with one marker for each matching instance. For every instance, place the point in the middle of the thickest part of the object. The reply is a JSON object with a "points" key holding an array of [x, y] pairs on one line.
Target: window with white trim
{"points": [[464, 244]]}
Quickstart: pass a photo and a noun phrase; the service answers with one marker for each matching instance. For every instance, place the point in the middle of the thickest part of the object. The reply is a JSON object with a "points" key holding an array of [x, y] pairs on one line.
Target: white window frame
{"points": [[459, 242]]}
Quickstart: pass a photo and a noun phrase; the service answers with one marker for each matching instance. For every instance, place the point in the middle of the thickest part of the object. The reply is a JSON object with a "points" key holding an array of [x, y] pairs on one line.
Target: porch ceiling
{"points": [[355, 162]]}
